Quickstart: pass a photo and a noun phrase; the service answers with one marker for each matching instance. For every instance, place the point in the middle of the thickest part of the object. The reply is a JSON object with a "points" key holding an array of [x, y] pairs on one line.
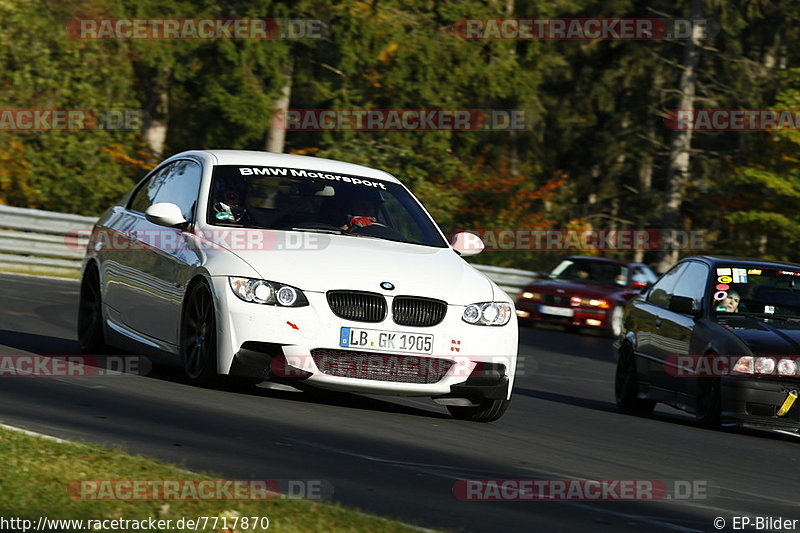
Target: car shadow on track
{"points": [[663, 415], [49, 346], [598, 405], [308, 395], [38, 344]]}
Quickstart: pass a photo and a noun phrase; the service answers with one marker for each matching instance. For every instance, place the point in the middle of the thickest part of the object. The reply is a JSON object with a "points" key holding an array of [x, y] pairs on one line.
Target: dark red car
{"points": [[585, 292]]}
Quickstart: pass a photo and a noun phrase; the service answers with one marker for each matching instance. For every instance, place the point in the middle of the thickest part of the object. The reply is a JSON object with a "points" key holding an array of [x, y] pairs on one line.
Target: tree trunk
{"points": [[157, 107], [645, 184], [681, 144], [276, 138]]}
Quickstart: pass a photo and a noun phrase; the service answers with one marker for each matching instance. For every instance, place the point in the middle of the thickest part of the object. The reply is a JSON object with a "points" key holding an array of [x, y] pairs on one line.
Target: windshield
{"points": [[766, 292], [320, 202], [591, 271]]}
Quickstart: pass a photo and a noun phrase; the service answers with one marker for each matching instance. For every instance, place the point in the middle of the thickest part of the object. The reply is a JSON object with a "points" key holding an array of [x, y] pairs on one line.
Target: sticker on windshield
{"points": [[754, 271], [720, 308], [725, 279], [739, 275], [769, 309], [723, 287], [720, 295], [788, 273], [301, 173], [224, 215], [723, 272]]}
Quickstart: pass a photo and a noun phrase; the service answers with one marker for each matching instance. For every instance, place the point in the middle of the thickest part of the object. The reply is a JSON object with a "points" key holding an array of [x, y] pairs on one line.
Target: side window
{"points": [[693, 282], [643, 275], [662, 290], [177, 183], [181, 186], [145, 195]]}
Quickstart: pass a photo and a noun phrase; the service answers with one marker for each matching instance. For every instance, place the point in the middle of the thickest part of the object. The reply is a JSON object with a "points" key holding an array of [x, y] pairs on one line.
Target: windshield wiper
{"points": [[362, 236], [319, 230]]}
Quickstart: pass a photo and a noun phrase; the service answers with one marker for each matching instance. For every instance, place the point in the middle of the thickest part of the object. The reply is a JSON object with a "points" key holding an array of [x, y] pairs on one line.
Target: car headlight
{"points": [[487, 314], [265, 292], [765, 365], [787, 367], [577, 301], [745, 365]]}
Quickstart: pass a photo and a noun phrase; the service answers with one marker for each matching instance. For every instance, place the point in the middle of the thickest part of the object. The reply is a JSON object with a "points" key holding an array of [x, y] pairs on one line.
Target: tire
{"points": [[626, 386], [487, 411], [199, 337], [708, 403], [615, 329], [90, 314]]}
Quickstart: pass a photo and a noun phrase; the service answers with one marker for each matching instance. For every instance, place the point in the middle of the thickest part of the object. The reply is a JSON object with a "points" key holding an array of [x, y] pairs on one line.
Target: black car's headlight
{"points": [[488, 314], [260, 291]]}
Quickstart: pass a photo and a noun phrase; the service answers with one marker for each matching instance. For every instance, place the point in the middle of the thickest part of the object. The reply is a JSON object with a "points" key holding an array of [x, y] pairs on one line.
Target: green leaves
{"points": [[595, 147]]}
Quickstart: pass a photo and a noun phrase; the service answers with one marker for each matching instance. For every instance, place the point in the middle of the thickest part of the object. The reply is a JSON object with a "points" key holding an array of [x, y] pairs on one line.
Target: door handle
{"points": [[658, 322]]}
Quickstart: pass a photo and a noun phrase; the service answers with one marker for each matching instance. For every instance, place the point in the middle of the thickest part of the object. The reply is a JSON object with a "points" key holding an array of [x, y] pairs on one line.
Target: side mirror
{"points": [[683, 305], [466, 244], [165, 214]]}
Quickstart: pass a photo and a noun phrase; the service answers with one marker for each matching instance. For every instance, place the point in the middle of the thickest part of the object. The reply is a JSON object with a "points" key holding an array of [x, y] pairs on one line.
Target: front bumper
{"points": [[754, 402], [585, 318], [252, 336]]}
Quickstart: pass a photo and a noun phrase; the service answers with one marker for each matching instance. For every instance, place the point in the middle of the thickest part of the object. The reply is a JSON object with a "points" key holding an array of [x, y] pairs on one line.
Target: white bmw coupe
{"points": [[297, 270]]}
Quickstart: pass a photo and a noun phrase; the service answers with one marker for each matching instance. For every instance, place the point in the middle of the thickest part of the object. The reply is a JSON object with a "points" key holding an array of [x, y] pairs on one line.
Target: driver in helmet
{"points": [[361, 208], [228, 204]]}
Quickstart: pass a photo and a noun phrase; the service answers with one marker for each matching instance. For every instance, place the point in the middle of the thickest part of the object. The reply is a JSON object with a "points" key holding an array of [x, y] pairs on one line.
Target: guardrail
{"points": [[511, 280], [44, 242]]}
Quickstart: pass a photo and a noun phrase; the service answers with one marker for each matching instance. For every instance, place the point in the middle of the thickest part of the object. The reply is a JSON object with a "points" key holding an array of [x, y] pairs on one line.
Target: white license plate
{"points": [[382, 341], [558, 311]]}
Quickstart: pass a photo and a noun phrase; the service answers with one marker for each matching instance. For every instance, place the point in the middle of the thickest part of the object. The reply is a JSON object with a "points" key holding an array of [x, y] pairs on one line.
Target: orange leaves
{"points": [[498, 197], [304, 151], [120, 157], [385, 56], [14, 170]]}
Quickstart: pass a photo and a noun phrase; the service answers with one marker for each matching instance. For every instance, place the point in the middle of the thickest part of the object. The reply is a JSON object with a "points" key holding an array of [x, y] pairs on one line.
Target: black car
{"points": [[718, 337]]}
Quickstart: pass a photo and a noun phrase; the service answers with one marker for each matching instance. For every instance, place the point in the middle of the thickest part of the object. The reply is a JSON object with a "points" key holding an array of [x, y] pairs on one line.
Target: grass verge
{"points": [[41, 271], [36, 475]]}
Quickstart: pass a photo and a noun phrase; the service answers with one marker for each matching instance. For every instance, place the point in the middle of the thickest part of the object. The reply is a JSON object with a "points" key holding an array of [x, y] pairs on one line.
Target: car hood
{"points": [[355, 263], [779, 338], [589, 289]]}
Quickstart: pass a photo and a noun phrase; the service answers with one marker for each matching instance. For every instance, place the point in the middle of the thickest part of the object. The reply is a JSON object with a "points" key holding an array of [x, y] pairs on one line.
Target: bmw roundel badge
{"points": [[387, 286]]}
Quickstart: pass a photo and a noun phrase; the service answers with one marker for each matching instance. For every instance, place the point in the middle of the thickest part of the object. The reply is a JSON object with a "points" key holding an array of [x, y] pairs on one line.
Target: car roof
{"points": [[273, 159], [744, 261]]}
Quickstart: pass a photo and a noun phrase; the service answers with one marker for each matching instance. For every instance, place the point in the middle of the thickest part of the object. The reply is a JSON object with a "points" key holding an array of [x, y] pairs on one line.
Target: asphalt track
{"points": [[399, 457]]}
